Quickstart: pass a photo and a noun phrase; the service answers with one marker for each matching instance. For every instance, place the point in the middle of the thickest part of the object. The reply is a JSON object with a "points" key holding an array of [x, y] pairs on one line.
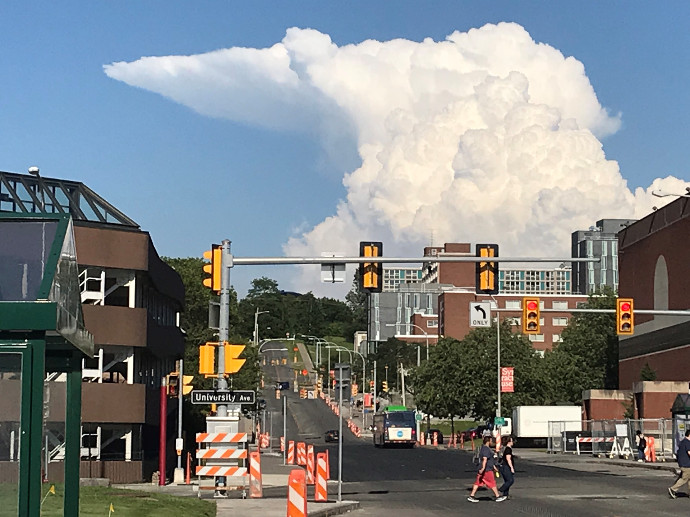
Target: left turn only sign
{"points": [[480, 314]]}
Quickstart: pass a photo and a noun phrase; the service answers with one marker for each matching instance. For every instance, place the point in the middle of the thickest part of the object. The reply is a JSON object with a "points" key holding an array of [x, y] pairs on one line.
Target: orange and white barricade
{"points": [[282, 444], [422, 438], [435, 439], [587, 439], [462, 441], [255, 483], [297, 494], [328, 465], [321, 488], [301, 454], [219, 457], [310, 464], [265, 440], [291, 453]]}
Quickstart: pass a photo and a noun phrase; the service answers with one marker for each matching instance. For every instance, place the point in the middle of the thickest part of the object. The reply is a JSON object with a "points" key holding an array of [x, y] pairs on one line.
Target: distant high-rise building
{"points": [[394, 276], [535, 281], [600, 241]]}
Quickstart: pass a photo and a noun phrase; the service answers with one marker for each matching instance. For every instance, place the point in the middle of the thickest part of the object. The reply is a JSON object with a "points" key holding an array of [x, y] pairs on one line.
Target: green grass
{"points": [[444, 426], [96, 501]]}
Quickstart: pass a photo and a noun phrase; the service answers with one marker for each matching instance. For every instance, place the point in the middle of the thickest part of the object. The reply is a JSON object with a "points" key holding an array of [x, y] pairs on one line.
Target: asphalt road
{"points": [[428, 482]]}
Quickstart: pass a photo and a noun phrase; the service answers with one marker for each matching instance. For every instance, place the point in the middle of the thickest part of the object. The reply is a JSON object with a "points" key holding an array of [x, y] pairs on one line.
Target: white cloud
{"points": [[487, 136]]}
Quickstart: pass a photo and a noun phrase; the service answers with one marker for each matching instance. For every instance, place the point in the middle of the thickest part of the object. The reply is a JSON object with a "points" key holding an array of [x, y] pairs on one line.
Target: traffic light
{"points": [[187, 384], [625, 318], [487, 272], [232, 361], [371, 273], [173, 384], [207, 359], [355, 390], [385, 386], [213, 268], [530, 315]]}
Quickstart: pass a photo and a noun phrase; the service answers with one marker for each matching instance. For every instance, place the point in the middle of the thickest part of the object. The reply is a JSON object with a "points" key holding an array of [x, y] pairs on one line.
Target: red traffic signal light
{"points": [[530, 316], [625, 317]]}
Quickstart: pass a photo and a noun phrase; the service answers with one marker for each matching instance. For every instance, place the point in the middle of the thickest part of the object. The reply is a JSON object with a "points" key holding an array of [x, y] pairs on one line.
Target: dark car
{"points": [[283, 385], [430, 436], [332, 436]]}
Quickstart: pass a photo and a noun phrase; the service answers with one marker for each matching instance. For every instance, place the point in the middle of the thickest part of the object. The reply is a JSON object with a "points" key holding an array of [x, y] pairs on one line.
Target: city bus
{"points": [[395, 425]]}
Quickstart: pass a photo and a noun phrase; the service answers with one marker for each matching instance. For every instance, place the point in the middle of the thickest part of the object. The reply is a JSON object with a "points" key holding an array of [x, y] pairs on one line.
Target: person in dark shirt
{"points": [[508, 469], [683, 457], [641, 446], [485, 476]]}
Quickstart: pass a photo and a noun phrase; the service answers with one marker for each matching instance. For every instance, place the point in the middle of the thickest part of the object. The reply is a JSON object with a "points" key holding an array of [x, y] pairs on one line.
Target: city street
{"points": [[430, 482]]}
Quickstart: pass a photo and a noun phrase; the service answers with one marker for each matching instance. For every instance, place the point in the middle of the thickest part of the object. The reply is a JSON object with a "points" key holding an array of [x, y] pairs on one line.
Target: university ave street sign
{"points": [[223, 397]]}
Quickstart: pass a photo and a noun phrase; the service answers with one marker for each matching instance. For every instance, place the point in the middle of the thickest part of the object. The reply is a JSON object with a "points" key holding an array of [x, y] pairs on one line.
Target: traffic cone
{"points": [[435, 439], [422, 438], [255, 484], [297, 494], [321, 488], [310, 464]]}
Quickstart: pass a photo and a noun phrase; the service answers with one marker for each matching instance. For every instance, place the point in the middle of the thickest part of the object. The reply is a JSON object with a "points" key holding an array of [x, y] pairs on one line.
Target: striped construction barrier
{"points": [[596, 440], [328, 465], [217, 470], [297, 494], [321, 488], [310, 464], [301, 454], [282, 444], [225, 454], [255, 483], [221, 437], [265, 440], [291, 453]]}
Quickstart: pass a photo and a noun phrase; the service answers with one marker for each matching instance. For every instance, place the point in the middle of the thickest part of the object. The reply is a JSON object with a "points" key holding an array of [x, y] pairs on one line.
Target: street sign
{"points": [[507, 379], [332, 273], [418, 417], [499, 421], [480, 314], [223, 397]]}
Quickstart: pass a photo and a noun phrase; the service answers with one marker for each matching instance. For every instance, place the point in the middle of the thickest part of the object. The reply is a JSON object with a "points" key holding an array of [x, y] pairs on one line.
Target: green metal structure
{"points": [[41, 330]]}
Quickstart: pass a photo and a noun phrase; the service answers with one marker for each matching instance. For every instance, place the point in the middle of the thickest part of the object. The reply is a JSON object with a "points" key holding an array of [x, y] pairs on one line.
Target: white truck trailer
{"points": [[531, 423]]}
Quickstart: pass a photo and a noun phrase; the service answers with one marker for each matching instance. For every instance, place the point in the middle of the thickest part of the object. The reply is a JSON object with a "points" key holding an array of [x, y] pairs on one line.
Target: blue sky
{"points": [[260, 179]]}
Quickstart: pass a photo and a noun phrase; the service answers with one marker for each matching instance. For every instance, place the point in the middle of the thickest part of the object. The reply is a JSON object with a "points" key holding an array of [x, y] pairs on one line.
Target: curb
{"points": [[343, 507]]}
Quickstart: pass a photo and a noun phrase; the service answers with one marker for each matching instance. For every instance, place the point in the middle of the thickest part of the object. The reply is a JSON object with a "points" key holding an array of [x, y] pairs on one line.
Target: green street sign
{"points": [[418, 417], [499, 421]]}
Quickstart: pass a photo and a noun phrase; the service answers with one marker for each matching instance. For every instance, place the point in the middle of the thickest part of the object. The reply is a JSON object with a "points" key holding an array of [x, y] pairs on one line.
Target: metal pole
{"points": [[374, 390], [223, 325], [180, 384], [328, 371], [270, 432], [498, 350], [402, 376], [285, 440], [418, 355], [340, 435], [162, 434], [427, 345]]}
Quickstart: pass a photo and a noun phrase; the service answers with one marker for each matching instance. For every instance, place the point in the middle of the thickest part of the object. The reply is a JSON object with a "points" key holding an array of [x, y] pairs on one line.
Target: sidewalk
{"points": [[274, 477]]}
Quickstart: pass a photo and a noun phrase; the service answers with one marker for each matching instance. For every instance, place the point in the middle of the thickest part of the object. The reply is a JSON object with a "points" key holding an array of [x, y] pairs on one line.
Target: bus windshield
{"points": [[400, 418]]}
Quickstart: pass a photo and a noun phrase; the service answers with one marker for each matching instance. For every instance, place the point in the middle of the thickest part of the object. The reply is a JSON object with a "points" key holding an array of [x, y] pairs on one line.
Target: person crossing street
{"points": [[485, 475], [683, 457]]}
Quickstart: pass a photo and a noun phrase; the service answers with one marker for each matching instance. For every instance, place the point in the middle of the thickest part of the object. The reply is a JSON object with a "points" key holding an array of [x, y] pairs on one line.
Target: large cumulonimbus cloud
{"points": [[486, 136]]}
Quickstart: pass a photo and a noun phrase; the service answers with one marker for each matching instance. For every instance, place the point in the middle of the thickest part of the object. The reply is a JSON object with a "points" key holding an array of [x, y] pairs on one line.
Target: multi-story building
{"points": [[600, 241], [535, 281], [131, 301], [395, 276]]}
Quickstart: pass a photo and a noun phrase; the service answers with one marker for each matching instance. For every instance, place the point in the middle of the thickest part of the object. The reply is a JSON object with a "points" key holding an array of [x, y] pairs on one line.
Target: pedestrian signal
{"points": [[530, 315], [173, 384], [213, 268], [487, 272], [371, 273], [625, 318]]}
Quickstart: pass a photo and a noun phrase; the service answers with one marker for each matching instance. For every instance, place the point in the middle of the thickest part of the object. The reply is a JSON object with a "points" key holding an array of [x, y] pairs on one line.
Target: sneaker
{"points": [[472, 499], [501, 498], [672, 493]]}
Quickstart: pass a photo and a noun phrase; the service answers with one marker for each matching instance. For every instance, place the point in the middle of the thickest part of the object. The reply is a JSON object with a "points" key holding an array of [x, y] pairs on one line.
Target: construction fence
{"points": [[616, 438]]}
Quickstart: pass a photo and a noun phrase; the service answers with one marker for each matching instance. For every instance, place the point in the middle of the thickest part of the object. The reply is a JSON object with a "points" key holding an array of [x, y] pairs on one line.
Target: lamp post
{"points": [[256, 325]]}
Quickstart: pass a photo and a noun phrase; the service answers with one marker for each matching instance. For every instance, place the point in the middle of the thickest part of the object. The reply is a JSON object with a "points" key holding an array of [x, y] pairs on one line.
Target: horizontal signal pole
{"points": [[257, 261], [661, 312]]}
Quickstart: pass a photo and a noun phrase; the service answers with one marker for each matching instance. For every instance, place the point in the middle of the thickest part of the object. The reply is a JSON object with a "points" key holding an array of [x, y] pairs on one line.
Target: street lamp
{"points": [[408, 335], [256, 325]]}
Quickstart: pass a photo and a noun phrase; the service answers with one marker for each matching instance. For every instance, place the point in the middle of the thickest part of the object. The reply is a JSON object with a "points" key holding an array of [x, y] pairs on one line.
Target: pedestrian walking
{"points": [[683, 457], [485, 475], [641, 446], [508, 468]]}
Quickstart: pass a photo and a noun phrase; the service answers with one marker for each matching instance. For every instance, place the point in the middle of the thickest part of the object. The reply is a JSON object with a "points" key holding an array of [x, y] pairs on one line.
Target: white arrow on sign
{"points": [[480, 314]]}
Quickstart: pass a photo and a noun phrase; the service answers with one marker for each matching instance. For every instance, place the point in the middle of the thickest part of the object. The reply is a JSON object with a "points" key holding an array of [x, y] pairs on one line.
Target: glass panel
{"points": [[53, 451], [10, 411], [24, 250]]}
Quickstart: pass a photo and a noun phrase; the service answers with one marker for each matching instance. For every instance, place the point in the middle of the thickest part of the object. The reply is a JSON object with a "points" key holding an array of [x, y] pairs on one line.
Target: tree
{"points": [[647, 373], [587, 357], [357, 300]]}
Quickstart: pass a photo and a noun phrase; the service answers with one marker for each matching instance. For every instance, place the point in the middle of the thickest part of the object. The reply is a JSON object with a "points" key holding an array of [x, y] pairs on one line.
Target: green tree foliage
{"points": [[647, 373], [587, 357], [357, 300], [390, 354]]}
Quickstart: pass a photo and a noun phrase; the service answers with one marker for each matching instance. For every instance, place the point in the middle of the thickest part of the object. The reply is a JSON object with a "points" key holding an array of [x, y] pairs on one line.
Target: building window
{"points": [[560, 305], [557, 338], [560, 322], [536, 338], [513, 304], [432, 323]]}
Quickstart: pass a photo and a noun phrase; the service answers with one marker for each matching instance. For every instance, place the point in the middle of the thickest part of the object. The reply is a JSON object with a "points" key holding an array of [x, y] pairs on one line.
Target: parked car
{"points": [[430, 436], [332, 436]]}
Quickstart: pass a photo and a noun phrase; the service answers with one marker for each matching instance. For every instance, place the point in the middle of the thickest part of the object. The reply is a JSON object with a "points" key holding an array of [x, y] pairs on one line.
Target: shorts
{"points": [[486, 479]]}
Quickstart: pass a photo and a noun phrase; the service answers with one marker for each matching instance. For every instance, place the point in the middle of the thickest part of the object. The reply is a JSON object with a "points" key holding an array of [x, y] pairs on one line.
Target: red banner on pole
{"points": [[507, 379]]}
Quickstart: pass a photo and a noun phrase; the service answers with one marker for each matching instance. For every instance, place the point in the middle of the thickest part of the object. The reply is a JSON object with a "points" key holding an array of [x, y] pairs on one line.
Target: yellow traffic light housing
{"points": [[187, 384], [530, 315], [371, 273], [232, 361], [173, 384], [625, 317], [207, 359], [213, 268], [487, 272], [384, 385]]}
